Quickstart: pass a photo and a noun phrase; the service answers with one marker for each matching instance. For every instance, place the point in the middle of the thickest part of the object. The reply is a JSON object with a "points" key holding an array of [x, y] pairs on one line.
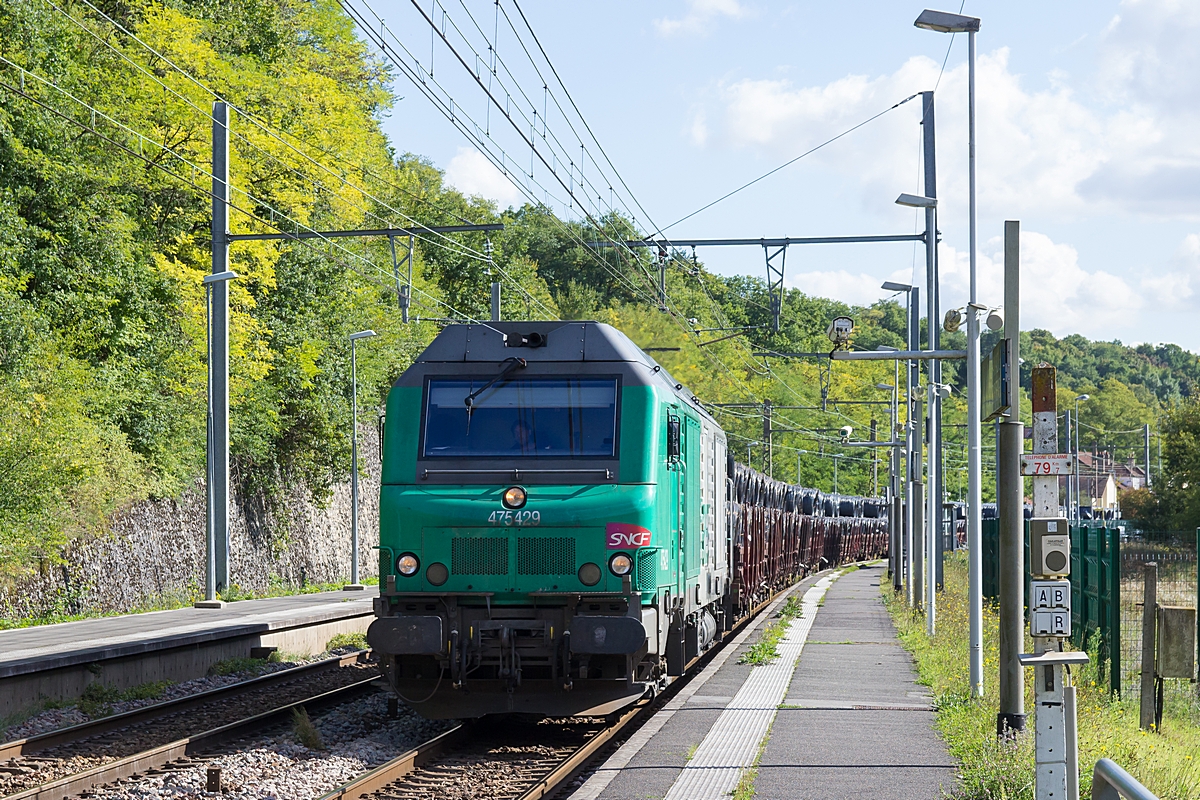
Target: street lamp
{"points": [[912, 333], [893, 480], [1078, 400], [354, 337], [944, 22], [210, 531]]}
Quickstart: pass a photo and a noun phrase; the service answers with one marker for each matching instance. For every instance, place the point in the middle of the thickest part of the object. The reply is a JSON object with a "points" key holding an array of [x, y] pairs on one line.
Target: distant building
{"points": [[1101, 478]]}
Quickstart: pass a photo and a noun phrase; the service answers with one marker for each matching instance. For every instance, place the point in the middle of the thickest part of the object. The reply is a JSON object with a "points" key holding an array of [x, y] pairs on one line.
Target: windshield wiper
{"points": [[510, 364]]}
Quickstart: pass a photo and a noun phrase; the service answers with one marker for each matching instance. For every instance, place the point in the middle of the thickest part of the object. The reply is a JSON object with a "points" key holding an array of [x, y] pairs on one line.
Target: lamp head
{"points": [[995, 319], [219, 277], [916, 201], [892, 286], [367, 334], [945, 22], [1083, 397]]}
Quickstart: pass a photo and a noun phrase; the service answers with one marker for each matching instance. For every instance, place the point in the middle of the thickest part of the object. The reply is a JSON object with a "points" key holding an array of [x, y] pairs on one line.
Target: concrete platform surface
{"points": [[855, 722], [46, 647], [849, 722]]}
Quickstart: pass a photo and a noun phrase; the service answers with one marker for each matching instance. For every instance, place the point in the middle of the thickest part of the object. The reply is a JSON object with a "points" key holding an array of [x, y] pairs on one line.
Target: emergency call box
{"points": [[1049, 547], [1045, 595], [1051, 622]]}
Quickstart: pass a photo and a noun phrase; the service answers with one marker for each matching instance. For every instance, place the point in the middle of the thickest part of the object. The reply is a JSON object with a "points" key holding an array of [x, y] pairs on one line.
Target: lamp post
{"points": [[944, 22], [912, 462], [933, 515], [1078, 495], [892, 489], [210, 518], [354, 337]]}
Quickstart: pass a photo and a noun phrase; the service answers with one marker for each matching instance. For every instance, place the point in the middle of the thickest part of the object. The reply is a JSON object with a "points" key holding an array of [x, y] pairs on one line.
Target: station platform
{"points": [[838, 715], [57, 662]]}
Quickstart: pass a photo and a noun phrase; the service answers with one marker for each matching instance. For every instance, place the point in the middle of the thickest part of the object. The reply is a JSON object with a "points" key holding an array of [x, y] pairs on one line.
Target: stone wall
{"points": [[154, 551]]}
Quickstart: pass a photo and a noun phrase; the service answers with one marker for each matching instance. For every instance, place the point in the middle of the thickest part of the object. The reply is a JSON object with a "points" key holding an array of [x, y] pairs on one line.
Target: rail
{"points": [[1110, 782]]}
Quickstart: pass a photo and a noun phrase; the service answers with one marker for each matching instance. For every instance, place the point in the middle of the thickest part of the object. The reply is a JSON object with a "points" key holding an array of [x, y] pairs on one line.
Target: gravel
{"points": [[357, 737], [57, 718]]}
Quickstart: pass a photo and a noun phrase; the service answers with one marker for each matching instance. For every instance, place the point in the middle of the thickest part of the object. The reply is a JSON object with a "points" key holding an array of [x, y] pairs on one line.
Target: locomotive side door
{"points": [[689, 499], [673, 502]]}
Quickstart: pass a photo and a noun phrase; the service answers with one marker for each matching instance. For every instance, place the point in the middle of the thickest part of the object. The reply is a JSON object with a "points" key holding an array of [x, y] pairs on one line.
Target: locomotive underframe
{"points": [[499, 658]]}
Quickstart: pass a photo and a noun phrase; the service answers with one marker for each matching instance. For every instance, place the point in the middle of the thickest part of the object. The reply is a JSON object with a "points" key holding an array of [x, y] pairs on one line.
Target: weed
{"points": [[97, 699], [1164, 761], [691, 753], [766, 649], [232, 666], [306, 732], [353, 641]]}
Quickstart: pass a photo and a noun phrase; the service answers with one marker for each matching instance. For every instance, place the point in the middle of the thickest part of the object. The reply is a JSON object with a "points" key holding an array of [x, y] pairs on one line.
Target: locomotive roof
{"points": [[582, 340]]}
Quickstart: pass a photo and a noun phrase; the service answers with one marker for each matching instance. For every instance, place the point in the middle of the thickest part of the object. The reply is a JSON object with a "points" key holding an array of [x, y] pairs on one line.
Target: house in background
{"points": [[1101, 478]]}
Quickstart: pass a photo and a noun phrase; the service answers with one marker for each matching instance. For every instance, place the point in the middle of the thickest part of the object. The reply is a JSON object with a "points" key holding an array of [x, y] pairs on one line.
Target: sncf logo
{"points": [[621, 536]]}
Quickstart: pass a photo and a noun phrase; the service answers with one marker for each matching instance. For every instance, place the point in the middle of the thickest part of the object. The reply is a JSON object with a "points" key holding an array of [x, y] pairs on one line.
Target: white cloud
{"points": [[472, 174], [1057, 292], [700, 17], [1120, 141], [1175, 288], [858, 289]]}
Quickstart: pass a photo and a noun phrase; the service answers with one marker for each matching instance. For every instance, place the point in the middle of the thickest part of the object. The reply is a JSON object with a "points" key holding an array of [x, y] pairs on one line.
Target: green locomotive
{"points": [[553, 524]]}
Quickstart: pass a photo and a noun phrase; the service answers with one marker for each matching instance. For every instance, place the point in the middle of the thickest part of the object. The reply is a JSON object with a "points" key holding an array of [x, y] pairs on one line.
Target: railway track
{"points": [[512, 760], [63, 763]]}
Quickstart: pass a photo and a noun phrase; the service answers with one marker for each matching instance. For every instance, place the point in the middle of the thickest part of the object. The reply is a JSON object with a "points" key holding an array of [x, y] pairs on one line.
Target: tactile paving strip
{"points": [[732, 743]]}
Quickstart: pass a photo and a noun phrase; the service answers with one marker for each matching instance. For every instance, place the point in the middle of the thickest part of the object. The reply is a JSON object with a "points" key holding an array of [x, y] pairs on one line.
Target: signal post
{"points": [[1050, 602]]}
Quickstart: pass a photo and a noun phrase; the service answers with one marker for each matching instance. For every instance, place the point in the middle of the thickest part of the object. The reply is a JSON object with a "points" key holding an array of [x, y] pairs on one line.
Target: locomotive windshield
{"points": [[523, 418]]}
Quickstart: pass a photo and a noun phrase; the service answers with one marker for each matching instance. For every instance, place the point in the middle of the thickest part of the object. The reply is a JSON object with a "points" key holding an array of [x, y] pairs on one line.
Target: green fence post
{"points": [[1114, 609]]}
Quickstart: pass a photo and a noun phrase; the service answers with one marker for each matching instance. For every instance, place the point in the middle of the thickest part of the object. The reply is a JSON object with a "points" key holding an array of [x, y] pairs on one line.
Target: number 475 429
{"points": [[521, 517]]}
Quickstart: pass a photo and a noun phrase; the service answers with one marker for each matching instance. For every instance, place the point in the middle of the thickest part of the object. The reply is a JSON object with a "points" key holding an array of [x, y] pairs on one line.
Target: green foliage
{"points": [[306, 732], [238, 665], [102, 350], [97, 700], [354, 641], [1163, 761], [766, 649], [1178, 488]]}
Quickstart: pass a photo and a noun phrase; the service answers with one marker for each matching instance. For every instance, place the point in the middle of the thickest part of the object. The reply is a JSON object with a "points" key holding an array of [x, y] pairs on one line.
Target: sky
{"points": [[1087, 120]]}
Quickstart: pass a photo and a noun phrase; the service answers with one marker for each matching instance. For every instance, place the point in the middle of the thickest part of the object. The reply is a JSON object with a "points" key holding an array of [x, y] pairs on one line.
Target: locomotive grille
{"points": [[545, 556], [479, 556], [646, 561]]}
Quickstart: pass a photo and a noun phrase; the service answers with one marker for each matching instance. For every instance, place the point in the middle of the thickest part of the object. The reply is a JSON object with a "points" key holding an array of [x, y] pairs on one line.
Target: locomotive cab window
{"points": [[522, 417]]}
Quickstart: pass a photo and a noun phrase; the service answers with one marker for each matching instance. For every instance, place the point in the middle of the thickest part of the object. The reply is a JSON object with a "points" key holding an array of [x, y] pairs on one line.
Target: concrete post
{"points": [[1010, 503], [495, 302]]}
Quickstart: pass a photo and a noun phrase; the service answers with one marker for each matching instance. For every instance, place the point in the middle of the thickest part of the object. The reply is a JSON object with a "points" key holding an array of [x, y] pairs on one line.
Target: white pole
{"points": [[974, 452], [932, 528]]}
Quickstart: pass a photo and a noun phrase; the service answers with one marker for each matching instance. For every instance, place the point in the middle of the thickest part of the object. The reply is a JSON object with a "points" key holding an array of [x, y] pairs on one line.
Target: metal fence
{"points": [[1175, 554], [1095, 590]]}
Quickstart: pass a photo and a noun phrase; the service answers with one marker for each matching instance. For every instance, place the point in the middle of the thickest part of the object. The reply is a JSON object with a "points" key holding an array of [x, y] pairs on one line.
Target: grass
{"points": [[358, 641], [1166, 761], [745, 785], [306, 732], [231, 666], [766, 649], [97, 700]]}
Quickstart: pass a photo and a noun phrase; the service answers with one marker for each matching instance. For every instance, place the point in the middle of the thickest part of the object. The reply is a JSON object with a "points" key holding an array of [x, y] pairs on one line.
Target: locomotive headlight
{"points": [[407, 565], [514, 497], [620, 564]]}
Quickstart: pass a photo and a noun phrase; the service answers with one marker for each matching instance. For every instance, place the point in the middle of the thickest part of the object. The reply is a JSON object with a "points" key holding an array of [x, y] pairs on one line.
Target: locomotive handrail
{"points": [[516, 473]]}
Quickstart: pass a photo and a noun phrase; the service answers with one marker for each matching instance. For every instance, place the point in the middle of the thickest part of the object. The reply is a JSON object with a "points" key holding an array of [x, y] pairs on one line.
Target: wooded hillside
{"points": [[104, 239]]}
